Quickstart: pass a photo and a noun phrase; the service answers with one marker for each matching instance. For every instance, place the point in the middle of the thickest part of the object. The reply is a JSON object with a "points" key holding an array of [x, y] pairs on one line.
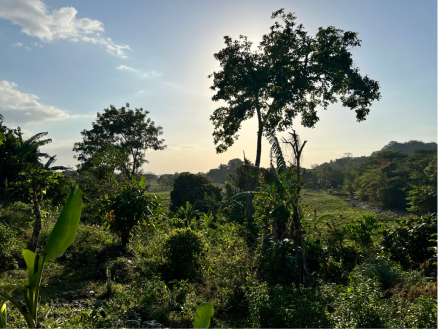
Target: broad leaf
{"points": [[202, 316], [3, 316], [30, 257], [142, 182], [64, 232], [237, 197]]}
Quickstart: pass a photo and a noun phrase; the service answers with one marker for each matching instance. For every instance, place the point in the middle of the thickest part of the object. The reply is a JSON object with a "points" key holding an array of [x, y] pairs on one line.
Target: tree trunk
{"points": [[37, 199], [259, 138], [252, 181]]}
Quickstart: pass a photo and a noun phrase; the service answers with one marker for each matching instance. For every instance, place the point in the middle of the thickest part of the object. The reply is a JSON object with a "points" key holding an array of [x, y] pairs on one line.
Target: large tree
{"points": [[118, 141], [291, 73]]}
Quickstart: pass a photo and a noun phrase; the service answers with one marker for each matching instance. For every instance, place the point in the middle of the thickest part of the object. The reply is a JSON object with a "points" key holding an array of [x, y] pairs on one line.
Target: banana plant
{"points": [[202, 316], [281, 191], [62, 236]]}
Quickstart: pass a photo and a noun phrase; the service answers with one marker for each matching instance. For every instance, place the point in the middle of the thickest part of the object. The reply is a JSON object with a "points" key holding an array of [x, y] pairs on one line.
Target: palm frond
{"points": [[237, 197], [275, 147], [36, 137], [50, 162]]}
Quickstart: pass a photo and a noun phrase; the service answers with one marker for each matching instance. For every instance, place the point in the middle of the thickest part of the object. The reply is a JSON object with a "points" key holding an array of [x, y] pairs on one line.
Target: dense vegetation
{"points": [[273, 247], [388, 179]]}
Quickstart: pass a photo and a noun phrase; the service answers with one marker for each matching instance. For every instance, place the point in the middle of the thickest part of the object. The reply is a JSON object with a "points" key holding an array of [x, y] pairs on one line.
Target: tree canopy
{"points": [[118, 141], [291, 73]]}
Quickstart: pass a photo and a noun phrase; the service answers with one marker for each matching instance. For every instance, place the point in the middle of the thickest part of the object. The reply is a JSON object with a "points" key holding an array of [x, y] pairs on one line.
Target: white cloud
{"points": [[28, 48], [126, 68], [21, 108], [17, 44], [139, 73], [35, 20]]}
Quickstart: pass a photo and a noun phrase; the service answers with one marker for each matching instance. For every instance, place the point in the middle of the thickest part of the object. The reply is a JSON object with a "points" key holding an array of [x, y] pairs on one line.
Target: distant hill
{"points": [[393, 146], [407, 147]]}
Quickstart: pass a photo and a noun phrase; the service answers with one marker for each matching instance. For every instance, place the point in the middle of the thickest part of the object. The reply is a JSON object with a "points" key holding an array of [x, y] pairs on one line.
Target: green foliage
{"points": [[356, 306], [11, 248], [192, 188], [258, 82], [172, 305], [60, 239], [411, 240], [18, 155], [280, 306], [3, 316], [362, 230], [385, 272], [188, 213], [118, 141], [183, 251], [221, 174], [125, 213], [423, 195], [202, 316]]}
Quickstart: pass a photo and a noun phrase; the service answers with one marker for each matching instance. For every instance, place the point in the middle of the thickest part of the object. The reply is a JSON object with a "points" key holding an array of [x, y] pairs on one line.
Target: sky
{"points": [[64, 61]]}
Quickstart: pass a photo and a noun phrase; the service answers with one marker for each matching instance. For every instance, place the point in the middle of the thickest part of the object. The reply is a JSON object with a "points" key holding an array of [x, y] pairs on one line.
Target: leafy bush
{"points": [[191, 188], [357, 305], [276, 261], [282, 307], [384, 271], [10, 251], [183, 250], [411, 242], [173, 306], [363, 229], [126, 212], [18, 215]]}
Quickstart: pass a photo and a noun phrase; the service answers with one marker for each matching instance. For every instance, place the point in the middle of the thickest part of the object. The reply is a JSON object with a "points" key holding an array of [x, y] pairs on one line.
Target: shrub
{"points": [[362, 230], [357, 305], [191, 188], [282, 307], [183, 250], [411, 243], [126, 212], [386, 273], [10, 251]]}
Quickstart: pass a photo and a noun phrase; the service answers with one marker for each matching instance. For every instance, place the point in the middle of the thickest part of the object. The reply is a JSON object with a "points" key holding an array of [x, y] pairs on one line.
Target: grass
{"points": [[326, 203]]}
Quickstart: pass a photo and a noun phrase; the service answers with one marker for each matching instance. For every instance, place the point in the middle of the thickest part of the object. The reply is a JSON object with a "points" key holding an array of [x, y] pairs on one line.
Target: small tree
{"points": [[191, 188], [35, 183], [126, 212], [118, 141]]}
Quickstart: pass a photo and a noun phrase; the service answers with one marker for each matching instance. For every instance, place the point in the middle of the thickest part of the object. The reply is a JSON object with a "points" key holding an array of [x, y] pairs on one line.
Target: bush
{"points": [[356, 306], [286, 307], [183, 250], [191, 188], [411, 243], [387, 274], [126, 212], [173, 307], [10, 250]]}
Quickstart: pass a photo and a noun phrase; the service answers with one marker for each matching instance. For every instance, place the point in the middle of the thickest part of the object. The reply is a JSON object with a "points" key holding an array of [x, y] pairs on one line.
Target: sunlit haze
{"points": [[64, 61]]}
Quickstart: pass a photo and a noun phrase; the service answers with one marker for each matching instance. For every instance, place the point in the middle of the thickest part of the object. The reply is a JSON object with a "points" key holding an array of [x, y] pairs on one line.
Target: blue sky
{"points": [[64, 61]]}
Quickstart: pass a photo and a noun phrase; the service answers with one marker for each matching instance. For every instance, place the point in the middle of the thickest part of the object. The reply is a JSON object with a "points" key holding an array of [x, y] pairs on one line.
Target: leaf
{"points": [[2, 137], [142, 182], [64, 232], [30, 257], [202, 316], [3, 316], [237, 197]]}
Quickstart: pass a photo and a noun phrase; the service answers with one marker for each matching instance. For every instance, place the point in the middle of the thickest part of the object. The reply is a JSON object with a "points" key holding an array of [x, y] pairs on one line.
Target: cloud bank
{"points": [[36, 21], [21, 108]]}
